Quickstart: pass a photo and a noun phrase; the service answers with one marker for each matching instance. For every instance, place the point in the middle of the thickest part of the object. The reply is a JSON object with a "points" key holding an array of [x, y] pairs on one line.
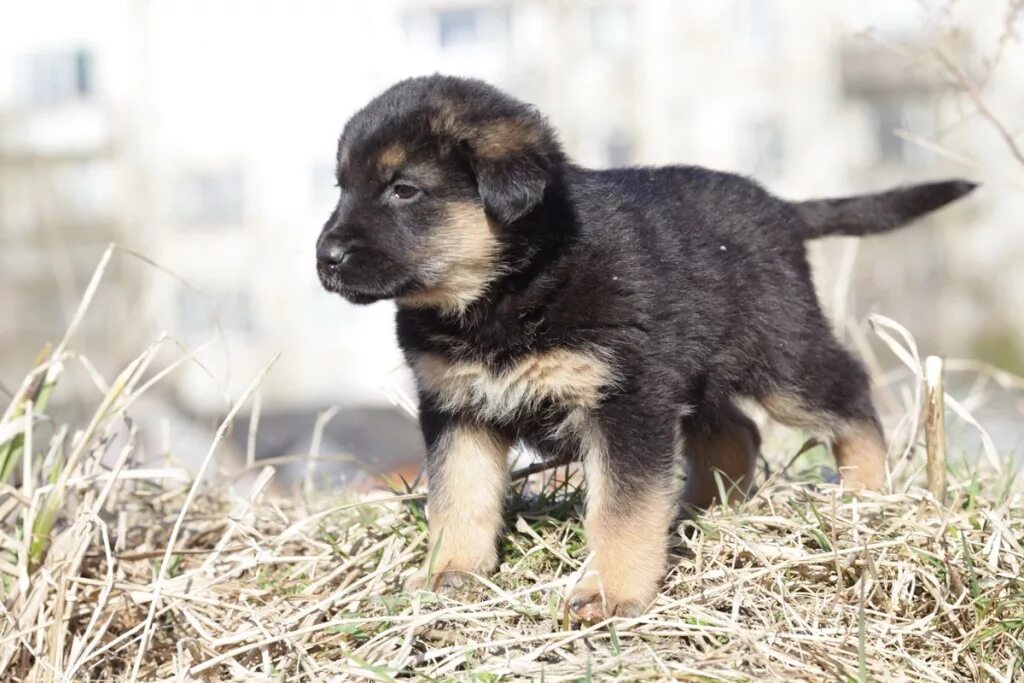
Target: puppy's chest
{"points": [[560, 378]]}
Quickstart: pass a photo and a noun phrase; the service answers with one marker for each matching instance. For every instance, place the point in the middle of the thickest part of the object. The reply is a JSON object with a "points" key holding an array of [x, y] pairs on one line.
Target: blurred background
{"points": [[200, 135]]}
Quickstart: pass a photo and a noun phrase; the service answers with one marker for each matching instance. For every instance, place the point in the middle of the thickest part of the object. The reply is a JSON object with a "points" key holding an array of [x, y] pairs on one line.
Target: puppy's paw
{"points": [[444, 581], [588, 604]]}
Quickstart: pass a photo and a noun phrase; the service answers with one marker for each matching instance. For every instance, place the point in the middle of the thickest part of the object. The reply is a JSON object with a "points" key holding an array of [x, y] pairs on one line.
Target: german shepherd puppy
{"points": [[608, 316]]}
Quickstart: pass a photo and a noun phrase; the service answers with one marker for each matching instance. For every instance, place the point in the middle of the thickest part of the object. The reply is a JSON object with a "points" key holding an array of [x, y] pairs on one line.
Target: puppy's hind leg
{"points": [[832, 398], [722, 445]]}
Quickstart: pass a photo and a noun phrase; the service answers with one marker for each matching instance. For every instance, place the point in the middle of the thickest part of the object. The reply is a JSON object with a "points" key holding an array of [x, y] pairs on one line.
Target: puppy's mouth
{"points": [[365, 289]]}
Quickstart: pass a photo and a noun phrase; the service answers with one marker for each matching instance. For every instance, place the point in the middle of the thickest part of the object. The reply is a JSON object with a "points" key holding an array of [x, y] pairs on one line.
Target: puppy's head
{"points": [[433, 174]]}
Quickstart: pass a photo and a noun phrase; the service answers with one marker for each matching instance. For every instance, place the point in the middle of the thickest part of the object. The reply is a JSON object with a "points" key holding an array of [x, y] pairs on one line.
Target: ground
{"points": [[801, 582], [114, 567]]}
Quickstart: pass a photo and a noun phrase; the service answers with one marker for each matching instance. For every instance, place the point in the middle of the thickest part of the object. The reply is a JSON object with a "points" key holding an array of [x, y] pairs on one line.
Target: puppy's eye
{"points": [[404, 191]]}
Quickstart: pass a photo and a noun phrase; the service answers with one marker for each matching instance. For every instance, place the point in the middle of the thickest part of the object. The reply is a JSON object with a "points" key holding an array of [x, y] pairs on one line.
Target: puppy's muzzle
{"points": [[358, 271], [332, 253]]}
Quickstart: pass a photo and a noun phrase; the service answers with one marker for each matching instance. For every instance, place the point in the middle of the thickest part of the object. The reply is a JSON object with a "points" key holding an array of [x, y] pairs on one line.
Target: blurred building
{"points": [[201, 133], [67, 163]]}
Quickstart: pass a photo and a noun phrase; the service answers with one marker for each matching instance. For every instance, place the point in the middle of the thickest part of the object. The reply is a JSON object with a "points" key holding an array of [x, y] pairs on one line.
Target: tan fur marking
{"points": [[492, 140], [461, 256], [860, 456], [447, 121], [629, 540], [788, 410], [566, 377], [504, 138], [859, 448], [733, 452], [464, 503], [391, 157]]}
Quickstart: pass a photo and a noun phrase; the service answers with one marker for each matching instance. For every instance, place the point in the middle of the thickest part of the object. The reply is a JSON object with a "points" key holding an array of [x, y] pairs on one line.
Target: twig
{"points": [[934, 427], [314, 448], [536, 467], [967, 85]]}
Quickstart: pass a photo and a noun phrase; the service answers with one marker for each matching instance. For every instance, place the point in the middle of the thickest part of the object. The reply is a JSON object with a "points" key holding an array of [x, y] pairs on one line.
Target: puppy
{"points": [[608, 316]]}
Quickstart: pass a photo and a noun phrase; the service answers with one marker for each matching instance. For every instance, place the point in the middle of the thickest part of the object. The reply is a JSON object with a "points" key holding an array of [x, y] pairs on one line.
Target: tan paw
{"points": [[588, 604], [439, 582]]}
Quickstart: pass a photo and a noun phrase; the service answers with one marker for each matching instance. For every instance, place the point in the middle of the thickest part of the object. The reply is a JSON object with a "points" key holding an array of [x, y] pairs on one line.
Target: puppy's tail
{"points": [[874, 213]]}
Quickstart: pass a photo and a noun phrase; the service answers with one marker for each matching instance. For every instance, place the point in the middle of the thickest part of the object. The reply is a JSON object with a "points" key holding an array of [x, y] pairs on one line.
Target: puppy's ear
{"points": [[512, 186]]}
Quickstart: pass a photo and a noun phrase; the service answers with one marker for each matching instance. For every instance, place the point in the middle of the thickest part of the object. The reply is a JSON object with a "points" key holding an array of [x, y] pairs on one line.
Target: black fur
{"points": [[874, 213], [694, 282]]}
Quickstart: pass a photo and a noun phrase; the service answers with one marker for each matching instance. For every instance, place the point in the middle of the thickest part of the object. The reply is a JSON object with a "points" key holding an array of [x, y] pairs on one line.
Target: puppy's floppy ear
{"points": [[510, 186], [510, 147]]}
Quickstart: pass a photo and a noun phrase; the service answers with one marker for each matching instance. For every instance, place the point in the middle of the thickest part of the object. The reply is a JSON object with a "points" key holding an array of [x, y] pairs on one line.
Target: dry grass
{"points": [[112, 569]]}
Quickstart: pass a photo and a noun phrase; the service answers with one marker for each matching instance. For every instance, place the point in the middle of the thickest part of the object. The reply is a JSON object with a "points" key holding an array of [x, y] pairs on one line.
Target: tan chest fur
{"points": [[574, 379]]}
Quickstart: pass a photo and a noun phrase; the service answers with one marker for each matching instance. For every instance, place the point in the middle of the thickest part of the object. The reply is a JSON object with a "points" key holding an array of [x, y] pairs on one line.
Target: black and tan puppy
{"points": [[610, 316]]}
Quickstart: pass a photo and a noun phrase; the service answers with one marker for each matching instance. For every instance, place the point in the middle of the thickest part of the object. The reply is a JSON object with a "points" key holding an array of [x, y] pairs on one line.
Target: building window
{"points": [[765, 147], [211, 198], [890, 115], [887, 118], [51, 78], [895, 114], [83, 74], [458, 27]]}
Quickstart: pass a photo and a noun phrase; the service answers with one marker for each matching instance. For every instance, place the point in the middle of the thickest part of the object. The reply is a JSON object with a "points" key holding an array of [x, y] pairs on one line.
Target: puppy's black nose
{"points": [[332, 252]]}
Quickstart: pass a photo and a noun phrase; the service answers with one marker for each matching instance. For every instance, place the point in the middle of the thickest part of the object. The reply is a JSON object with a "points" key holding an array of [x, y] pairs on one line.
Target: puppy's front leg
{"points": [[632, 499], [467, 471]]}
